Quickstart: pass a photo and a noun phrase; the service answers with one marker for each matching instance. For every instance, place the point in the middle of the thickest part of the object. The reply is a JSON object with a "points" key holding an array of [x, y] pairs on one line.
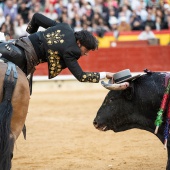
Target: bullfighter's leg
{"points": [[14, 54]]}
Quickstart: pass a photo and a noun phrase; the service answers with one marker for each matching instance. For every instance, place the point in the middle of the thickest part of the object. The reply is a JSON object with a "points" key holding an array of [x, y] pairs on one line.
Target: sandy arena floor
{"points": [[61, 136]]}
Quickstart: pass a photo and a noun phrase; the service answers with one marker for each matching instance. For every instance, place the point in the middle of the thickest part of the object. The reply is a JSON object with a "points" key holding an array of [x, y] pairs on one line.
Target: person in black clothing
{"points": [[136, 22], [23, 10], [149, 22], [58, 45]]}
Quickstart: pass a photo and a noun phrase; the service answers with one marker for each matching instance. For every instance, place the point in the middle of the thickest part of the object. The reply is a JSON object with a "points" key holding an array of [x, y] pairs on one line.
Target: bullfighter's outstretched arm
{"points": [[76, 70], [39, 20]]}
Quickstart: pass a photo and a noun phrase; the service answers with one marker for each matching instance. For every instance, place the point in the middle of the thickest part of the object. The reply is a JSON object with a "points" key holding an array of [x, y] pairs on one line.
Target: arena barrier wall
{"points": [[104, 42], [154, 58]]}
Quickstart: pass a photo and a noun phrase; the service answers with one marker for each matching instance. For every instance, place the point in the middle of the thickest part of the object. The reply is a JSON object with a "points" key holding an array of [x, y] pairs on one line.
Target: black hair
{"points": [[87, 39]]}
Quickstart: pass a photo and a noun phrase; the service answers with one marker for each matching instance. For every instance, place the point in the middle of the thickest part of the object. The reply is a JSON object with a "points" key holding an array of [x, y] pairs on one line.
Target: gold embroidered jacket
{"points": [[59, 48]]}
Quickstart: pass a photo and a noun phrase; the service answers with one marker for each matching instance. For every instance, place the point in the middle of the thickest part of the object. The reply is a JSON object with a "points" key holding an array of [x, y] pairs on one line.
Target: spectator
{"points": [[91, 2], [129, 3], [166, 11], [86, 27], [152, 3], [125, 12], [146, 34], [123, 26], [2, 18], [51, 13], [10, 25], [135, 22], [84, 20], [89, 12], [10, 9], [149, 22], [152, 13], [142, 13], [7, 36], [64, 18], [52, 2], [112, 18], [113, 12], [23, 10], [30, 14], [2, 4], [78, 27], [105, 12], [60, 8], [3, 28], [143, 3], [96, 18], [114, 27], [2, 37], [167, 23], [37, 6], [72, 8], [101, 28], [83, 7], [112, 4], [159, 25], [76, 22], [159, 13], [98, 7], [135, 4], [20, 28], [137, 12]]}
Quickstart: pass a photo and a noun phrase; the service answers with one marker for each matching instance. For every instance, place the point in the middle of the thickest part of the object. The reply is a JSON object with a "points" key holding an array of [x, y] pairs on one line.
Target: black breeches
{"points": [[14, 54]]}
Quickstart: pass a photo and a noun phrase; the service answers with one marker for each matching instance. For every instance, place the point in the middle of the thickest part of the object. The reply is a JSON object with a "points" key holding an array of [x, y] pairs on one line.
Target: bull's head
{"points": [[133, 107], [113, 112]]}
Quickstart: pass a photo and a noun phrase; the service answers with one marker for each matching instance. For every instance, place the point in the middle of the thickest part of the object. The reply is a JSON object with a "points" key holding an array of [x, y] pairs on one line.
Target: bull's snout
{"points": [[99, 126], [95, 123]]}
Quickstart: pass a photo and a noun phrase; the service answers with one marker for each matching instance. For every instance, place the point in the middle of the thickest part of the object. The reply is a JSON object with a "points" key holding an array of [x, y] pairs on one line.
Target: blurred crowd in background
{"points": [[96, 16]]}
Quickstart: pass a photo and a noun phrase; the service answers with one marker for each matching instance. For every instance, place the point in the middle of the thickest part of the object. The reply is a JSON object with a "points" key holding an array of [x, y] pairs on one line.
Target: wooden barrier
{"points": [[154, 58], [129, 43], [135, 43]]}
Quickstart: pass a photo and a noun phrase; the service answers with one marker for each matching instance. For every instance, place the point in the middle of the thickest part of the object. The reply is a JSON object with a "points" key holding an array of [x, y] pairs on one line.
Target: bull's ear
{"points": [[129, 92]]}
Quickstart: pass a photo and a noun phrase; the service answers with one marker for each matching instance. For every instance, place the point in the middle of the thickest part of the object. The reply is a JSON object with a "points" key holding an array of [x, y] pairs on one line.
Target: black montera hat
{"points": [[123, 76]]}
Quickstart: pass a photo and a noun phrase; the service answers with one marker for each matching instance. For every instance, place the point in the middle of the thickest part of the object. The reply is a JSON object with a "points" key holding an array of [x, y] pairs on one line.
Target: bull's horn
{"points": [[121, 86]]}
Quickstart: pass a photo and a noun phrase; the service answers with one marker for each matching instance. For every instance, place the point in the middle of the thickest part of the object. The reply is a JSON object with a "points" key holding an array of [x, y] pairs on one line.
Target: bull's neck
{"points": [[144, 124]]}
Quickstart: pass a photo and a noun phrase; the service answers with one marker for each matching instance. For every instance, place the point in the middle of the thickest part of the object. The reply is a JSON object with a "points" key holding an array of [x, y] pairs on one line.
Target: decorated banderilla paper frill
{"points": [[167, 127], [159, 119]]}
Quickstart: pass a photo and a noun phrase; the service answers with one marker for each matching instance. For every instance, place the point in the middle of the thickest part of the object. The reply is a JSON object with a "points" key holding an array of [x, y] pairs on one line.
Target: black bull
{"points": [[135, 107]]}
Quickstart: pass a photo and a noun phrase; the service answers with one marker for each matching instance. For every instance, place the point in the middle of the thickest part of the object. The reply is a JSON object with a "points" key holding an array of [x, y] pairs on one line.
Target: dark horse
{"points": [[14, 102]]}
